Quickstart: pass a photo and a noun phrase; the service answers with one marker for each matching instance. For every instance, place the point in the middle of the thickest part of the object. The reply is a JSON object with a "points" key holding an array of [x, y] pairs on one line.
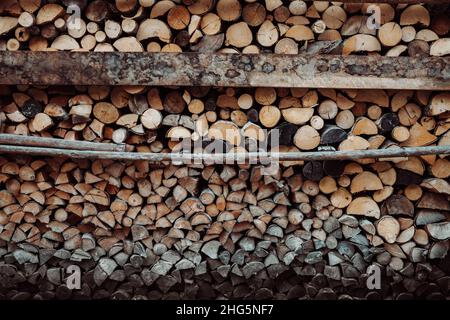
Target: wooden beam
{"points": [[30, 141], [266, 157], [214, 69]]}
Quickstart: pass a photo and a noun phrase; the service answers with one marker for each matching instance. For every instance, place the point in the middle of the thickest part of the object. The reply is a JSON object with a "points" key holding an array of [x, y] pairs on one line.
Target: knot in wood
{"points": [[231, 73], [322, 66], [335, 65], [268, 68]]}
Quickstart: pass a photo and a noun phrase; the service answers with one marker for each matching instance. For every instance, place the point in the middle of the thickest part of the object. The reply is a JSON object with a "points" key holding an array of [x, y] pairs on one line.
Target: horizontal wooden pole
{"points": [[31, 141], [228, 157], [214, 69]]}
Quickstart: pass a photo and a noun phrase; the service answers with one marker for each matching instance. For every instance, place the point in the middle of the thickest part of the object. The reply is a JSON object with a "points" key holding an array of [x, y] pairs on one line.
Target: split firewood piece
{"points": [[387, 122], [334, 17], [228, 10], [178, 133], [354, 143], [440, 47], [178, 17], [419, 136], [390, 34], [440, 103], [7, 24], [271, 5], [409, 114], [418, 48], [297, 116], [265, 96], [174, 103], [42, 122], [361, 42], [437, 185], [378, 97], [341, 198], [151, 119], [226, 131], [210, 24], [154, 28], [126, 6], [365, 181], [269, 116], [128, 44], [49, 13], [286, 46], [400, 134], [345, 118], [440, 169], [128, 120], [202, 126], [364, 126], [160, 8], [31, 108], [267, 34], [54, 111], [209, 43], [364, 206], [332, 134], [97, 10], [396, 51], [30, 6], [300, 33], [439, 231], [106, 112], [239, 35], [415, 14], [427, 35], [26, 19], [307, 138], [65, 42], [356, 24], [388, 228], [6, 198], [98, 197], [200, 7], [406, 234], [328, 109], [445, 139], [398, 205], [254, 14]]}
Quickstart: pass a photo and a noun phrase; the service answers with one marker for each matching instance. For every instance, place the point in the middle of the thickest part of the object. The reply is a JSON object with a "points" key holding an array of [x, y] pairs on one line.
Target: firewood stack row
{"points": [[235, 119], [229, 26], [303, 230]]}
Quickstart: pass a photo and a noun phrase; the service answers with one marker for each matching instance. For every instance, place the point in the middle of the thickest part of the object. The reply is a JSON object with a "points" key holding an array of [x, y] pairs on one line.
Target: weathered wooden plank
{"points": [[212, 69], [265, 157]]}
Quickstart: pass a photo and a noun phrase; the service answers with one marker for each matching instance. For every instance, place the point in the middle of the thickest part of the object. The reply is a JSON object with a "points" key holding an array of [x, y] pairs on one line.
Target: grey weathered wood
{"points": [[228, 157], [215, 69], [31, 141]]}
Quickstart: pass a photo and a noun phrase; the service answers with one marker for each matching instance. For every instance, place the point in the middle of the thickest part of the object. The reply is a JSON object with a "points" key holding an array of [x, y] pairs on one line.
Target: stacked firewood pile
{"points": [[228, 26], [236, 119], [309, 229]]}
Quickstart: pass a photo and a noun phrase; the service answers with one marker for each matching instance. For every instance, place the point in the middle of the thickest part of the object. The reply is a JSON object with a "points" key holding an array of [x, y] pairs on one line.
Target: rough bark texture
{"points": [[204, 69]]}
